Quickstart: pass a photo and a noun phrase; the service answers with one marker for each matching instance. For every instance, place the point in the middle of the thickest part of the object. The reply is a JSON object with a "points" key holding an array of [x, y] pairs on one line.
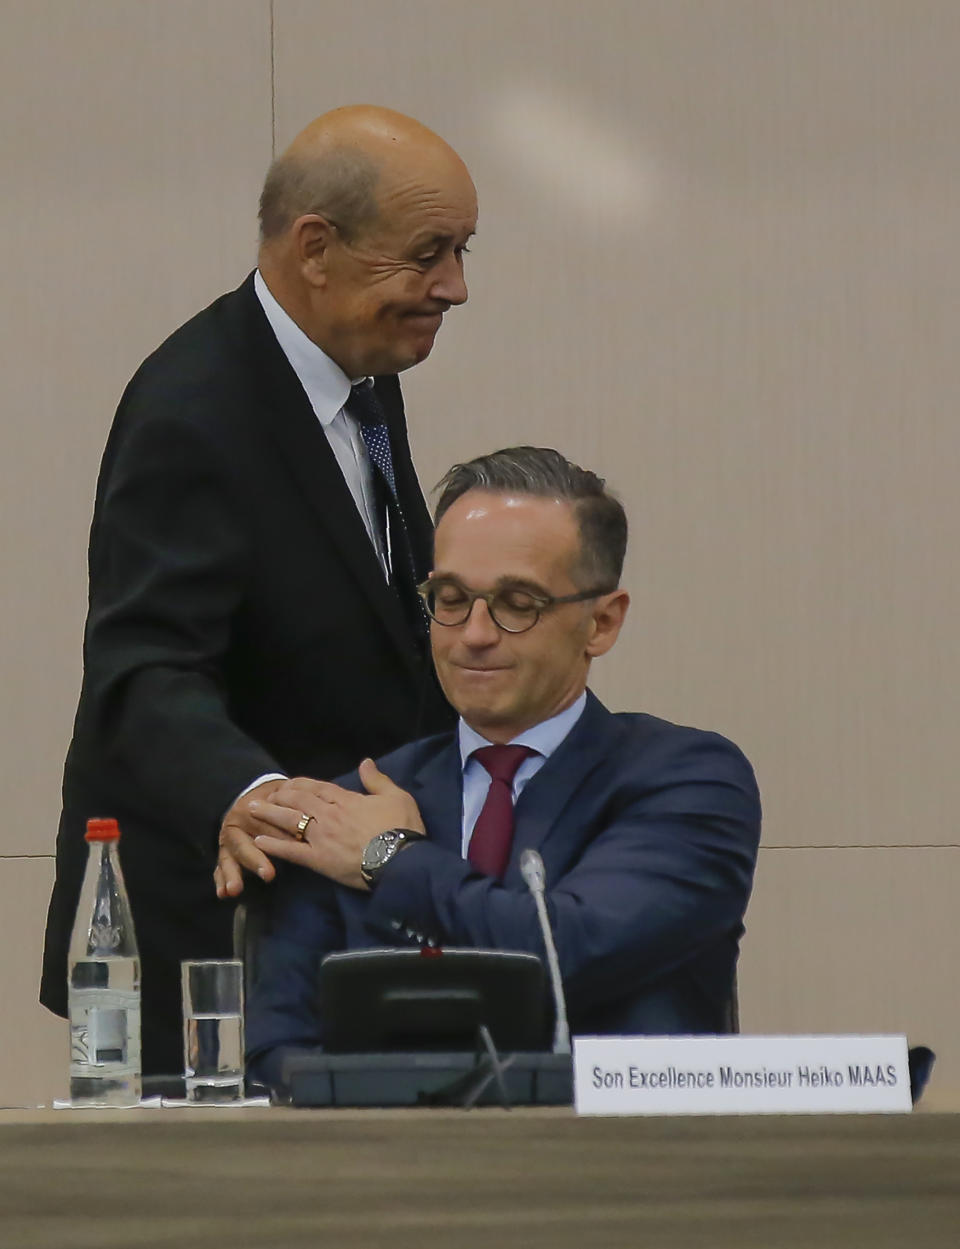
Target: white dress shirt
{"points": [[544, 738]]}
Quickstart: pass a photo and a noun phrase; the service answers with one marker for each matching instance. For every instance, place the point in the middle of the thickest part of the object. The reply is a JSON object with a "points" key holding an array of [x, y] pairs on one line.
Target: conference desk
{"points": [[481, 1179]]}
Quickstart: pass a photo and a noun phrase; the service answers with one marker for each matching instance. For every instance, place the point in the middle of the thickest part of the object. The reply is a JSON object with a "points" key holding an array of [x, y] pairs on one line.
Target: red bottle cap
{"points": [[102, 830]]}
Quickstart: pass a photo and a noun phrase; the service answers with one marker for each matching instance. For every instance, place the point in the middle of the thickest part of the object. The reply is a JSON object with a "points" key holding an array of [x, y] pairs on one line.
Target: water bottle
{"points": [[104, 982]]}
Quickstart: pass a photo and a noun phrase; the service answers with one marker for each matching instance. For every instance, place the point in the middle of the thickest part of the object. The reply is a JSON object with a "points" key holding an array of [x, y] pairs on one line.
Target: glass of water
{"points": [[213, 1029]]}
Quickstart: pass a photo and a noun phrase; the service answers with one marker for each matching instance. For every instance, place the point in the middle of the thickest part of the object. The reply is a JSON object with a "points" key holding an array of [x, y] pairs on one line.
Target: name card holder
{"points": [[741, 1075]]}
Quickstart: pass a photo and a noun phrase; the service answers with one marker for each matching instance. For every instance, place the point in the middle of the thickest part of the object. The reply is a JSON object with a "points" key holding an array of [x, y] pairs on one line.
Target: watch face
{"points": [[380, 850]]}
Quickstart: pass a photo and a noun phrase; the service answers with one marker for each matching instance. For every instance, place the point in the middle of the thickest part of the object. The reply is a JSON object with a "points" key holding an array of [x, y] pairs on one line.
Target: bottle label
{"points": [[107, 1036]]}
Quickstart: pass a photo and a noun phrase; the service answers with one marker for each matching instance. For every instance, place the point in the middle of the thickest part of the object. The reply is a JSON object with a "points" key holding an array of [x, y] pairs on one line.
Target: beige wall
{"points": [[716, 261]]}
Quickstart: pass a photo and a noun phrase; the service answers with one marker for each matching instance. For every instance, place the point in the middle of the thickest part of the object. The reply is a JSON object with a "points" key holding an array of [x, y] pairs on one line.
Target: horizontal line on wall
{"points": [[883, 845], [945, 845]]}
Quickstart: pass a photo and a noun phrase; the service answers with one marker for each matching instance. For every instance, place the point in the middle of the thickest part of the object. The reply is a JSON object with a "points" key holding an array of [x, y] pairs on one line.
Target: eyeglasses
{"points": [[512, 608]]}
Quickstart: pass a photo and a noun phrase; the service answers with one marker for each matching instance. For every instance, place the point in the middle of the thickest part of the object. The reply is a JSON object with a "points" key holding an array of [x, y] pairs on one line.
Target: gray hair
{"points": [[545, 473], [339, 184]]}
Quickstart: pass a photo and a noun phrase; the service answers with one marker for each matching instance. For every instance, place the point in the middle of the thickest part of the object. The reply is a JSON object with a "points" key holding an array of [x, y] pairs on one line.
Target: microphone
{"points": [[535, 878]]}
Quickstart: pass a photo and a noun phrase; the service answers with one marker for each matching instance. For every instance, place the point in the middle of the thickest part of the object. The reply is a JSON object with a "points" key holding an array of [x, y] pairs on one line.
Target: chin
{"points": [[482, 717], [420, 353], [422, 345], [400, 362]]}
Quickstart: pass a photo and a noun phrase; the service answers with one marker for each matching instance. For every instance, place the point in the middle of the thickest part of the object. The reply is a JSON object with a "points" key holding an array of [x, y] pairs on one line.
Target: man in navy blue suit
{"points": [[648, 831]]}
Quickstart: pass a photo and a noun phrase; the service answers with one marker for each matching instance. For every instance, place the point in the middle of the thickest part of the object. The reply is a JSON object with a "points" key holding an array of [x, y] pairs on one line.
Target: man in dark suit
{"points": [[256, 542], [648, 831]]}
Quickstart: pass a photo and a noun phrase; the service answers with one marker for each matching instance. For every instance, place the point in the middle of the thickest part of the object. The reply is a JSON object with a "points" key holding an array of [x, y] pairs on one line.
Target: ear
{"points": [[609, 613], [313, 238]]}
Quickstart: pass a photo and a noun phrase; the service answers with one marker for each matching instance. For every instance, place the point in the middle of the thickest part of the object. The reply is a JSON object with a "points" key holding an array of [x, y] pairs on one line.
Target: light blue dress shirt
{"points": [[544, 738], [328, 388]]}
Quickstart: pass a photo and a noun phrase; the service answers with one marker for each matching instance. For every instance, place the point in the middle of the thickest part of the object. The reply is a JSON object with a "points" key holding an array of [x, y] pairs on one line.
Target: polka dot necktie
{"points": [[364, 406], [490, 845]]}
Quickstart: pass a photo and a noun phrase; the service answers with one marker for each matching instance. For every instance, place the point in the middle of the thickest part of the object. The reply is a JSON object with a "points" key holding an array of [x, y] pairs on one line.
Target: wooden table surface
{"points": [[489, 1179]]}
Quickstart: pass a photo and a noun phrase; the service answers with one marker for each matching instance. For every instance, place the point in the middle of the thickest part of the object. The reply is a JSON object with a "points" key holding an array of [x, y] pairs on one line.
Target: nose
{"points": [[479, 629], [449, 283]]}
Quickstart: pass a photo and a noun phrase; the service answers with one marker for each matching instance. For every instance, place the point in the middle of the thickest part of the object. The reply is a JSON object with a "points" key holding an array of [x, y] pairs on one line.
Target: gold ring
{"points": [[302, 823]]}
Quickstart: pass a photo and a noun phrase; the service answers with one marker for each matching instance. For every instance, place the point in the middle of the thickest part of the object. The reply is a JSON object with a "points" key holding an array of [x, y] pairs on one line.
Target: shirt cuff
{"points": [[261, 780]]}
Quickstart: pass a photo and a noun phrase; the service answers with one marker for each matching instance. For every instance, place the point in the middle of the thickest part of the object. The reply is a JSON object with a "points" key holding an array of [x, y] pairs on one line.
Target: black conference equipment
{"points": [[431, 1026], [432, 999]]}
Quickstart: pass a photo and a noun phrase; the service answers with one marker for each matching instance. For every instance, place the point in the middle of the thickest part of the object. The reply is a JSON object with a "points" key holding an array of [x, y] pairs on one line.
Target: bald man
{"points": [[257, 538]]}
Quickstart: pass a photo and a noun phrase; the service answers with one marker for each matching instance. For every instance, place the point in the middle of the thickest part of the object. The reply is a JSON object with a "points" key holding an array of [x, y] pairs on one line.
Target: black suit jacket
{"points": [[239, 623]]}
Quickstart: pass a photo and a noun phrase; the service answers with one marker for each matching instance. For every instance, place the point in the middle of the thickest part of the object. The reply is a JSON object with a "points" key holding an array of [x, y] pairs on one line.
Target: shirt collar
{"points": [[326, 384], [544, 737]]}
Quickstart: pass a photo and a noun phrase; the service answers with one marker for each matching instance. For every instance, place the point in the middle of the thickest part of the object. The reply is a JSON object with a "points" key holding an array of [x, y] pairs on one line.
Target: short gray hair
{"points": [[339, 184], [545, 473]]}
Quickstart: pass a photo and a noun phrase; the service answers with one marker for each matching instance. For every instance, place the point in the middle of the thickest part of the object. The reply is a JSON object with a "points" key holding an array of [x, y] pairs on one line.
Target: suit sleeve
{"points": [[167, 567], [667, 871], [302, 924]]}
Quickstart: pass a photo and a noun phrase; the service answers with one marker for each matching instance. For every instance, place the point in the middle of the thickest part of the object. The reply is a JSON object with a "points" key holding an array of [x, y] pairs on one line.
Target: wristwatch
{"points": [[379, 851]]}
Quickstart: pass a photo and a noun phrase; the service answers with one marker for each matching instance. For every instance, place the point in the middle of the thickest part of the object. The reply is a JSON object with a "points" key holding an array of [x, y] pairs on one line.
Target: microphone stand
{"points": [[532, 870]]}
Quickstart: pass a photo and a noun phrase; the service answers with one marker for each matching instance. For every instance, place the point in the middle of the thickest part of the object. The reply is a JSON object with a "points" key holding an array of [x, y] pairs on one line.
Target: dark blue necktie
{"points": [[364, 406]]}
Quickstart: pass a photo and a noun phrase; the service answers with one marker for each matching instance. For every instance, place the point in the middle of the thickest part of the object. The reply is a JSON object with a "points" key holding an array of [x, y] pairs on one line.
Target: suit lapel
{"points": [[311, 463], [546, 808], [547, 805], [438, 790]]}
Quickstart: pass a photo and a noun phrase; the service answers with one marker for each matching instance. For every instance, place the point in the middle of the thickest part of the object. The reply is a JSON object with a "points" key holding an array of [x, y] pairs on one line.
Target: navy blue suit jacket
{"points": [[648, 833]]}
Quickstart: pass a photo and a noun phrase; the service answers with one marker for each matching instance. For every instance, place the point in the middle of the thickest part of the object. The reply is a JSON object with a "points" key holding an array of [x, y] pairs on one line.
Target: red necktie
{"points": [[492, 838]]}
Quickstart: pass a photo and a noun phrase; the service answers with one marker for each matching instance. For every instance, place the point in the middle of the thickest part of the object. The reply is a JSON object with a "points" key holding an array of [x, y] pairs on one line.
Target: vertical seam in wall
{"points": [[273, 88]]}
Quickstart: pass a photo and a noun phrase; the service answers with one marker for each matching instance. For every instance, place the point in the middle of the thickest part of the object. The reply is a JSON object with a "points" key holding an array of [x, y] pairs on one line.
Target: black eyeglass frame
{"points": [[541, 602]]}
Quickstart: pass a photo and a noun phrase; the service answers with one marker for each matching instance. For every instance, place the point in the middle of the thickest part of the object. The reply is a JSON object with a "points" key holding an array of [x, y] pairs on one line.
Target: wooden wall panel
{"points": [[135, 141], [34, 1044], [857, 940], [716, 261], [134, 144]]}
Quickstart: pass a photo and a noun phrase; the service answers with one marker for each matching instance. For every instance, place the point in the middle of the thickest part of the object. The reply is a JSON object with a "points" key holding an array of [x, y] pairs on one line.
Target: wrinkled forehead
{"points": [[425, 187]]}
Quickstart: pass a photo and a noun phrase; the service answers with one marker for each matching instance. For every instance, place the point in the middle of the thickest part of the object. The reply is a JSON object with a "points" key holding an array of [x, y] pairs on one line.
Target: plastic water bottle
{"points": [[104, 982]]}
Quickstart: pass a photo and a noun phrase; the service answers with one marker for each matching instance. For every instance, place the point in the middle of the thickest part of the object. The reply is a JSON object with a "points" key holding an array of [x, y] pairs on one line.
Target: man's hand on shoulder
{"points": [[341, 822], [237, 850]]}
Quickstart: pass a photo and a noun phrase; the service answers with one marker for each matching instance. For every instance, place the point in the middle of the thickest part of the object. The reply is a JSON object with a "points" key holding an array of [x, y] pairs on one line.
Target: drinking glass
{"points": [[213, 1029]]}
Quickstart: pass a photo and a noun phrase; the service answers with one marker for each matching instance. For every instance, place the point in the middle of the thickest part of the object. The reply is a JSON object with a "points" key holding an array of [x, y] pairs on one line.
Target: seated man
{"points": [[648, 831]]}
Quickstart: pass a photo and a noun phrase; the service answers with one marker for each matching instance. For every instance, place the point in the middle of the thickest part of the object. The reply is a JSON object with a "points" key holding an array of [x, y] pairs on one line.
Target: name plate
{"points": [[741, 1075]]}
